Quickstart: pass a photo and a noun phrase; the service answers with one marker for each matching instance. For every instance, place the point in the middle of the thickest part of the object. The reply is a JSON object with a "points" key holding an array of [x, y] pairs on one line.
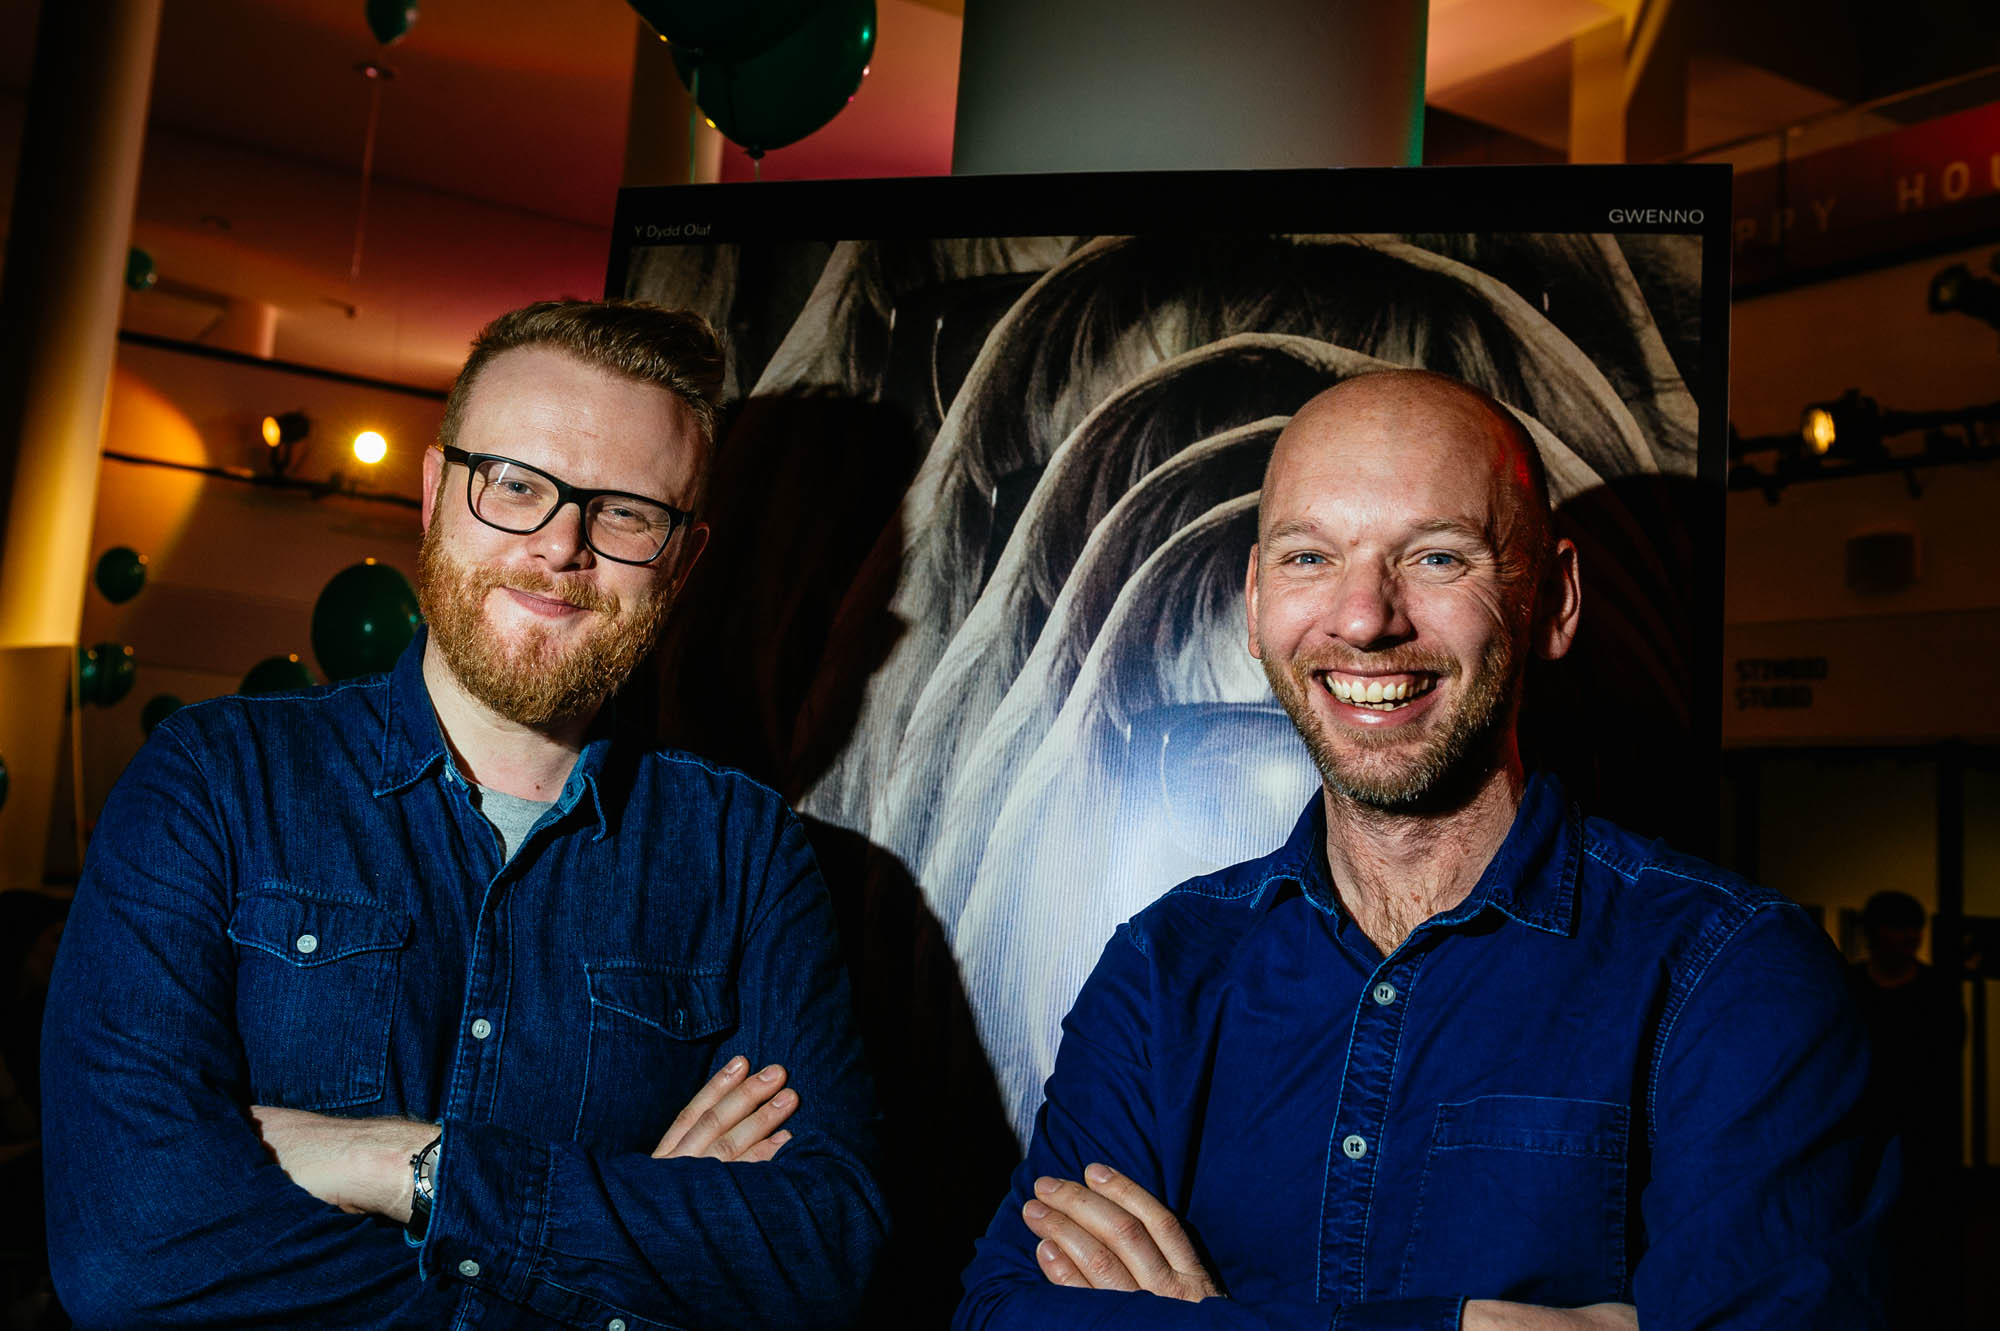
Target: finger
{"points": [[764, 1150], [1162, 1225], [1100, 1267], [704, 1099], [759, 1124], [1111, 1225], [738, 1103], [1059, 1269]]}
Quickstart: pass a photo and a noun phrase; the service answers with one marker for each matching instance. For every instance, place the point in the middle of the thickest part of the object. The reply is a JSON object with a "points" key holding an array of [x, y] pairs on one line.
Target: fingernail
{"points": [[769, 1074], [786, 1098], [736, 1065], [1097, 1174], [1034, 1210], [1046, 1250], [1045, 1186]]}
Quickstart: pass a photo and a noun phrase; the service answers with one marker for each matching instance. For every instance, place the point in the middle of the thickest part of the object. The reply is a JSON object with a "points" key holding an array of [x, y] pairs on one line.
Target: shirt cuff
{"points": [[1436, 1313], [490, 1209]]}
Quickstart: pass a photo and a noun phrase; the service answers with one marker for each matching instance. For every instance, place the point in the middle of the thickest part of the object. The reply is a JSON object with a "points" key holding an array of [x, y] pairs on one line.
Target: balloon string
{"points": [[374, 77]]}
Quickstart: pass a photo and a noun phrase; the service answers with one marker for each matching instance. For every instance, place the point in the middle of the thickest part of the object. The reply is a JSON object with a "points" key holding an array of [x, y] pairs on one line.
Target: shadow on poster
{"points": [[984, 499]]}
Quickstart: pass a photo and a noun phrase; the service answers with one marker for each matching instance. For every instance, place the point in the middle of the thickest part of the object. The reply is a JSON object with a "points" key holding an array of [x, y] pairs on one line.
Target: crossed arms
{"points": [[167, 1208]]}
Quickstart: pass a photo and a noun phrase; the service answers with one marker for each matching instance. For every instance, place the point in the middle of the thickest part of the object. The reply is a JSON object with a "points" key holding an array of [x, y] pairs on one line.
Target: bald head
{"points": [[1418, 423]]}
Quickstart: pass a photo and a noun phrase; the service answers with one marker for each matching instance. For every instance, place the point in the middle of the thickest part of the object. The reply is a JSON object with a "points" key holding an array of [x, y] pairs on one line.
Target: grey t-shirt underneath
{"points": [[512, 817]]}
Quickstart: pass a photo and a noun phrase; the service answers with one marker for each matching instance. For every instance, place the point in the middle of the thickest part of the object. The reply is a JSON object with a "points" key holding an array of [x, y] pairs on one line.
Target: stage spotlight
{"points": [[286, 428], [370, 447], [1959, 290], [1849, 427]]}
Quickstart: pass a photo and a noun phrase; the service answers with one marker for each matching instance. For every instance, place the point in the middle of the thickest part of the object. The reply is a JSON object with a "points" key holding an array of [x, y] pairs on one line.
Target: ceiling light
{"points": [[370, 447], [286, 428]]}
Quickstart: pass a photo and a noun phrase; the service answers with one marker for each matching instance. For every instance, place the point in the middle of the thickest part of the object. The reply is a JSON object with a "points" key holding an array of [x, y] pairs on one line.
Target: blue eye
{"points": [[1438, 559]]}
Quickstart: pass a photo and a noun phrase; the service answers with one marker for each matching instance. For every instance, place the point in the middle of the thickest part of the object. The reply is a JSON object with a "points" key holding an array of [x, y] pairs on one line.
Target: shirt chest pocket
{"points": [[316, 994], [655, 1031], [1523, 1197]]}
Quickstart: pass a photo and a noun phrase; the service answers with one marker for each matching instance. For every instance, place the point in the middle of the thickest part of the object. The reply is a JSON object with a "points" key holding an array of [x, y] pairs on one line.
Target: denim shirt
{"points": [[1611, 1074], [292, 901]]}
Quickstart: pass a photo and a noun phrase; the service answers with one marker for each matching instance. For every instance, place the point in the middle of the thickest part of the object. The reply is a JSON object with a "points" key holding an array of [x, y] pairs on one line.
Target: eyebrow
{"points": [[1428, 527], [1455, 527]]}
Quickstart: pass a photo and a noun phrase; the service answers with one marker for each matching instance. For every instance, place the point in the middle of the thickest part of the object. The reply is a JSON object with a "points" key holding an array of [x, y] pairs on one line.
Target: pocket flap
{"points": [[1541, 1123], [683, 1004], [312, 929]]}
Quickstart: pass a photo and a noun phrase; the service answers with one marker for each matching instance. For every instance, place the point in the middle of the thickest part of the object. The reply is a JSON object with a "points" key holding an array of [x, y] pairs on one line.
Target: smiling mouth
{"points": [[556, 605], [1378, 693]]}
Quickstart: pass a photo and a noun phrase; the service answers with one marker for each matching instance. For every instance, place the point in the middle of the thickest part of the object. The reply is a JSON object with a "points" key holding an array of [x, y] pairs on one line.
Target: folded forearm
{"points": [[693, 1242]]}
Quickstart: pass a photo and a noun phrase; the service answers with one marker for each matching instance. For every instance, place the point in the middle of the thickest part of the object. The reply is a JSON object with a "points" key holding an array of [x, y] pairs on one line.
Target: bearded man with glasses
{"points": [[434, 998]]}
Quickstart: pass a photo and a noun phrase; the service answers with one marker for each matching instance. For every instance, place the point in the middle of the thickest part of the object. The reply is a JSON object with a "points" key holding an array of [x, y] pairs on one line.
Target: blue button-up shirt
{"points": [[1611, 1074], [293, 901]]}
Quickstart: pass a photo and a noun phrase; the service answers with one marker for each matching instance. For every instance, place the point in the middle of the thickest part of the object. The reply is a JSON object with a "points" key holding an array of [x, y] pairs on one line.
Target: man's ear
{"points": [[1250, 605], [1559, 603], [433, 471], [696, 542]]}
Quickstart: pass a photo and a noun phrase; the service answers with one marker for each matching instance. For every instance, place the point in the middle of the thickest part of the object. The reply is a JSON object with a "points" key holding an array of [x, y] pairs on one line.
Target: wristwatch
{"points": [[423, 1190]]}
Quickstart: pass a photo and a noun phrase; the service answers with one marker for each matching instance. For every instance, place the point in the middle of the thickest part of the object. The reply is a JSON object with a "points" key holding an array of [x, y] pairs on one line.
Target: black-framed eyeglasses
{"points": [[515, 497]]}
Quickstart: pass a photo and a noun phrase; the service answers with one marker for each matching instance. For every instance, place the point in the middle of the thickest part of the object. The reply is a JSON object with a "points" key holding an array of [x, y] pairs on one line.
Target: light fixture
{"points": [[286, 428], [370, 447], [1959, 290], [1848, 427]]}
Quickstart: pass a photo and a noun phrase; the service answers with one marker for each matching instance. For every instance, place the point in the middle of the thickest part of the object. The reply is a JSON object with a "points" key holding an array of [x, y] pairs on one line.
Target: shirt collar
{"points": [[413, 743], [1531, 878]]}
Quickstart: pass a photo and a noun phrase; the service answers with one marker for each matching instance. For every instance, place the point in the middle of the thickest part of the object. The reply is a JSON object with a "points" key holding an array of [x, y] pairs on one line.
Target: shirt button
{"points": [[307, 944], [468, 1268], [481, 1029], [1355, 1146], [615, 1324], [1384, 993]]}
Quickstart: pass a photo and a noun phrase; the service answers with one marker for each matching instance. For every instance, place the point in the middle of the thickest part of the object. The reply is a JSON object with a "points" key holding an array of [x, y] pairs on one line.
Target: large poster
{"points": [[974, 599]]}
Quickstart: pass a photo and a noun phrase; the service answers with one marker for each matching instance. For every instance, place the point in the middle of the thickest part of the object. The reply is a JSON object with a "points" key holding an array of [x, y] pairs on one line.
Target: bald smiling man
{"points": [[1454, 1056]]}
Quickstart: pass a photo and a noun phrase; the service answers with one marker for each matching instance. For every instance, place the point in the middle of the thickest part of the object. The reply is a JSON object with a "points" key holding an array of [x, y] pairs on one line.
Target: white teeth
{"points": [[1374, 693]]}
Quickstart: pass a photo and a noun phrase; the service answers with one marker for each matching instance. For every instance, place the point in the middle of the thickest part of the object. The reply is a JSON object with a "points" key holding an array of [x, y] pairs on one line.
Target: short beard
{"points": [[1452, 764], [531, 682]]}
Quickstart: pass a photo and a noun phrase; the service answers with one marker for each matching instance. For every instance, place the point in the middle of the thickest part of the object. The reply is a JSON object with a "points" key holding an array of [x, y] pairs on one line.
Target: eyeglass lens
{"points": [[514, 498]]}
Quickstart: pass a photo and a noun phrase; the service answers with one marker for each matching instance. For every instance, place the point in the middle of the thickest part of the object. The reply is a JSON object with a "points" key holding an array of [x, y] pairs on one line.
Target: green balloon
{"points": [[140, 270], [390, 20], [781, 95], [275, 674], [733, 31], [109, 674], [363, 620], [121, 572], [157, 709]]}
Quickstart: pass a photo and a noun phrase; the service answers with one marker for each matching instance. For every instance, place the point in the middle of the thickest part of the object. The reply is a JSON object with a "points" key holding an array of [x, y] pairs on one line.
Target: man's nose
{"points": [[1367, 611], [560, 541]]}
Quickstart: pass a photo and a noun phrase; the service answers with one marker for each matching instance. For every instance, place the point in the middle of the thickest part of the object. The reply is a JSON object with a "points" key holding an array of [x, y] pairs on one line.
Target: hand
{"points": [[1113, 1234], [734, 1117], [358, 1164], [1494, 1315]]}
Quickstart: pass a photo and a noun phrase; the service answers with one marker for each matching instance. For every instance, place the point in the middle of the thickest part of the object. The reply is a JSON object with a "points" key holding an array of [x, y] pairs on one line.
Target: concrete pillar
{"points": [[657, 139], [1597, 93], [1628, 86], [1129, 85], [59, 309]]}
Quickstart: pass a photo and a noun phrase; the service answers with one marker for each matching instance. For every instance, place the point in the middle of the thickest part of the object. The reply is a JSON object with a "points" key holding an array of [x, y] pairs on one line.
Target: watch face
{"points": [[427, 1169]]}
